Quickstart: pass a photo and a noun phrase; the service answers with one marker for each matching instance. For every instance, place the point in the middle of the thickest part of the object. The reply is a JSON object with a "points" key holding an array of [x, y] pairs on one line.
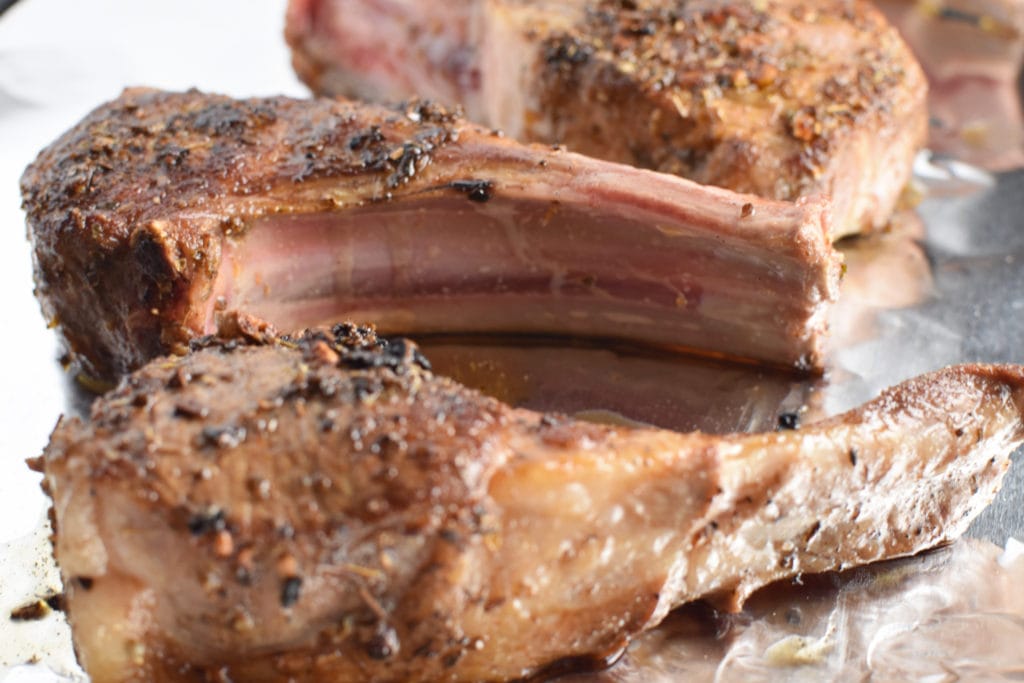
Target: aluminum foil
{"points": [[945, 285], [953, 614]]}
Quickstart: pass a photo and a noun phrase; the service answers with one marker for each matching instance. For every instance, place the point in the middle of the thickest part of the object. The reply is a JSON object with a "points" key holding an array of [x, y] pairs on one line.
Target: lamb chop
{"points": [[323, 507], [779, 98], [160, 210]]}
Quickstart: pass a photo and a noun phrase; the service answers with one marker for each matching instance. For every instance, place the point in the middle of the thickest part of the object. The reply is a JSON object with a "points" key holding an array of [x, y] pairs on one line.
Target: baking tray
{"points": [[945, 285]]}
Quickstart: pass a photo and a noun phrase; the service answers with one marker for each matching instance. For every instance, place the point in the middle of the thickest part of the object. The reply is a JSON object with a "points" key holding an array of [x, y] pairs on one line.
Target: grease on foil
{"points": [[953, 614]]}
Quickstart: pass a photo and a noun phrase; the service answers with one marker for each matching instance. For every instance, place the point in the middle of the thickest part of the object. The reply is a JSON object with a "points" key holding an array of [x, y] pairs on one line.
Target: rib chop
{"points": [[324, 508], [159, 210], [779, 98]]}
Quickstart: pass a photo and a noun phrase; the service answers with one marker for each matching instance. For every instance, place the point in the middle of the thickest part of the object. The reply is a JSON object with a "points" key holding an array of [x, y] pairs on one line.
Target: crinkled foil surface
{"points": [[945, 285]]}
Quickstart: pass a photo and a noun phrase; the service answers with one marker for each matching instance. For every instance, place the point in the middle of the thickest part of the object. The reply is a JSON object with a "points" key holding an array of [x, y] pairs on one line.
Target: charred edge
{"points": [[229, 345], [204, 342], [156, 267], [349, 335], [221, 119], [224, 436], [427, 111], [788, 422], [171, 155], [405, 161], [207, 522], [384, 644], [412, 156], [190, 409], [33, 611], [359, 141], [57, 602], [475, 190], [567, 50], [394, 354], [291, 588], [580, 664]]}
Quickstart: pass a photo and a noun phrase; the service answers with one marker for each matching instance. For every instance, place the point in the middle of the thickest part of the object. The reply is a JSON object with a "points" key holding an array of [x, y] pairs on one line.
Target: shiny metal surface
{"points": [[946, 285], [953, 614]]}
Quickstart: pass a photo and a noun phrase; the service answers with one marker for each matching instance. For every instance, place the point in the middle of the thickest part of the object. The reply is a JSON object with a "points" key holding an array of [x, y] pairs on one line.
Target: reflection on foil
{"points": [[980, 224], [618, 386], [877, 338], [942, 176], [953, 614], [971, 51]]}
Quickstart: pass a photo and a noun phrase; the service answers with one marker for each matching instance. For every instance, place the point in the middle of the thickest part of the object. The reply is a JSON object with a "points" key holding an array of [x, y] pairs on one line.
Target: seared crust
{"points": [[779, 99], [139, 195], [134, 211], [324, 508], [252, 457]]}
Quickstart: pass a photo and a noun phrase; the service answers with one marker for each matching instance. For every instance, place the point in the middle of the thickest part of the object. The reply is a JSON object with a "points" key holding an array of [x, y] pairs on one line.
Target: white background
{"points": [[58, 60]]}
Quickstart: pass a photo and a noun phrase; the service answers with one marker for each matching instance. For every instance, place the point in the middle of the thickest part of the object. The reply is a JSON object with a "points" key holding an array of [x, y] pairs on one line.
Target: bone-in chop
{"points": [[779, 98], [325, 508], [160, 209]]}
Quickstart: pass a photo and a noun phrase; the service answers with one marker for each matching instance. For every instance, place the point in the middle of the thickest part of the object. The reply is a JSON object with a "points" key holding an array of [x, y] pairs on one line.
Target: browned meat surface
{"points": [[159, 210], [779, 98], [324, 508], [972, 52]]}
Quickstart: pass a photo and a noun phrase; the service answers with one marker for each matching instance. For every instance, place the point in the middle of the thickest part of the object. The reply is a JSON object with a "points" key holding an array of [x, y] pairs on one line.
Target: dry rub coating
{"points": [[325, 508], [160, 210], [128, 210], [778, 98]]}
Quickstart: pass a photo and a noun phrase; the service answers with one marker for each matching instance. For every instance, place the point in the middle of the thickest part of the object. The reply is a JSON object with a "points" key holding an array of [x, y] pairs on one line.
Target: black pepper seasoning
{"points": [[290, 590], [788, 421]]}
